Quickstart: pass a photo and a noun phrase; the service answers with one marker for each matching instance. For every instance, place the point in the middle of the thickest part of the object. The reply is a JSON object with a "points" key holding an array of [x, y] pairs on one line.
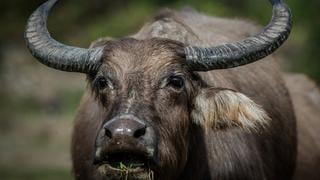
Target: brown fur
{"points": [[306, 99], [138, 70]]}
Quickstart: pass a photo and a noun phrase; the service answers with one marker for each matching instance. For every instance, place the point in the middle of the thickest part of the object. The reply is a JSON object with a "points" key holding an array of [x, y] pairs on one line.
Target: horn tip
{"points": [[275, 2], [50, 3]]}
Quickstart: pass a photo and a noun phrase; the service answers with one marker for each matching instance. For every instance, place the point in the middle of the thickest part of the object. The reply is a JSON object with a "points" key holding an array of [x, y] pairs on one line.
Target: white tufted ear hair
{"points": [[225, 108]]}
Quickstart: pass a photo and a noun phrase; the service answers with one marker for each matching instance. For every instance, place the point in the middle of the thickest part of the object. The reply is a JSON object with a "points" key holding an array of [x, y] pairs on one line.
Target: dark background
{"points": [[37, 104]]}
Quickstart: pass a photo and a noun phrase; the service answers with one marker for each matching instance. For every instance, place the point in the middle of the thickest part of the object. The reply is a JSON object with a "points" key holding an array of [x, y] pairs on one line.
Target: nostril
{"points": [[140, 132], [108, 133]]}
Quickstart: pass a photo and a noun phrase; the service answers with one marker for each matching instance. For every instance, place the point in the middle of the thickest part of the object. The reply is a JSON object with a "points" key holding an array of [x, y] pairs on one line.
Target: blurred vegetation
{"points": [[37, 103]]}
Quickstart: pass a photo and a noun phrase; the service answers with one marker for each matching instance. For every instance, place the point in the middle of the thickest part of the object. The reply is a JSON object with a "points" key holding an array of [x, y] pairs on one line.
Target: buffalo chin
{"points": [[126, 166], [138, 173]]}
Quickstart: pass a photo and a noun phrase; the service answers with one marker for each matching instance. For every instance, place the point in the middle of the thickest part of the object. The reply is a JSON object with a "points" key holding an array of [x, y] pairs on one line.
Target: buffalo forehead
{"points": [[142, 58]]}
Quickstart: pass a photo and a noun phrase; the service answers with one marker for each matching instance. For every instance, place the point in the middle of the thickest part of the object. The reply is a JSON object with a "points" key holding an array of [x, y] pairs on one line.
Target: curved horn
{"points": [[54, 54], [248, 50]]}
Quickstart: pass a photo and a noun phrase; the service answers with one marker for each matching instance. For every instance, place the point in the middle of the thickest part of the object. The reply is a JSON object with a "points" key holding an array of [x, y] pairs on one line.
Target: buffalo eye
{"points": [[103, 83], [176, 82]]}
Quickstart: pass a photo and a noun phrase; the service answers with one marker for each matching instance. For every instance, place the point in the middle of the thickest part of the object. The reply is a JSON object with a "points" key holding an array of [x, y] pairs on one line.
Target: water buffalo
{"points": [[174, 101]]}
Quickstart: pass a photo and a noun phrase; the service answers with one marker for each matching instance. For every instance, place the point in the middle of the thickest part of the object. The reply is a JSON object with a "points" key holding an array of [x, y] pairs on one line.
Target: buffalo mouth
{"points": [[126, 165]]}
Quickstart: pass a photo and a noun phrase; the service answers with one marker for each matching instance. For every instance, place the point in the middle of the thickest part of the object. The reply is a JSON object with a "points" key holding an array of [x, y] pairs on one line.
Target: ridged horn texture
{"points": [[54, 54], [248, 50]]}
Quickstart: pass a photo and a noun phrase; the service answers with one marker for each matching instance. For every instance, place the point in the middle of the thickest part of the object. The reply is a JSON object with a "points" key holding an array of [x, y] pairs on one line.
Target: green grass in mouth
{"points": [[127, 166]]}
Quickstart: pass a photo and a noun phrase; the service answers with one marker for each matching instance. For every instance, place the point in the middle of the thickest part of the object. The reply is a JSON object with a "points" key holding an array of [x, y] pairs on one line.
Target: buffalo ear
{"points": [[225, 108]]}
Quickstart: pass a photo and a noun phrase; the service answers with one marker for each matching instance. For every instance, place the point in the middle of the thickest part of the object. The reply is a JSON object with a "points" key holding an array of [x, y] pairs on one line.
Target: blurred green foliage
{"points": [[35, 174]]}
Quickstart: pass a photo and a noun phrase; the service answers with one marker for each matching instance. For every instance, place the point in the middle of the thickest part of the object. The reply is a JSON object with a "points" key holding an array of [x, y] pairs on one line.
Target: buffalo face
{"points": [[144, 93]]}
